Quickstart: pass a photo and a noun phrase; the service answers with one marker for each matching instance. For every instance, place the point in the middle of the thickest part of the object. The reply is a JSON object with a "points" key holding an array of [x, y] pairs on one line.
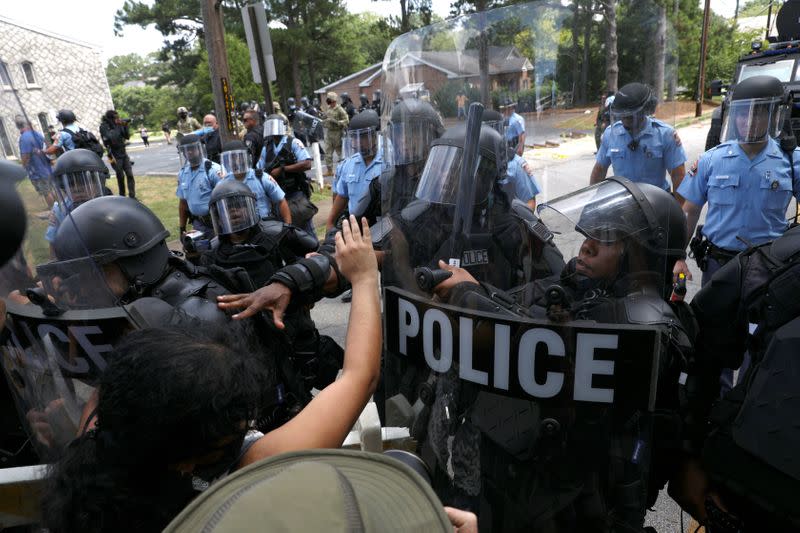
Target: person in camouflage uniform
{"points": [[335, 121], [186, 124]]}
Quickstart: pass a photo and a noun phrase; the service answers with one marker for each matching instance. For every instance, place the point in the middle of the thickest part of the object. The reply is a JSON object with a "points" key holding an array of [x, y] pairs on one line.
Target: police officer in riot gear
{"points": [[364, 101], [741, 446], [78, 176], [407, 139], [625, 236], [348, 106], [125, 241], [363, 163], [262, 247]]}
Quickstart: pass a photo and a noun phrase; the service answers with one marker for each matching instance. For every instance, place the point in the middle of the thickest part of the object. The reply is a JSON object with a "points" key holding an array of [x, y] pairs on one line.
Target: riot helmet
{"points": [[412, 127], [638, 227], [274, 126], [233, 207], [12, 213], [304, 102], [363, 99], [118, 230], [315, 102], [235, 158], [345, 98], [757, 110], [192, 150], [632, 104], [290, 103], [362, 135], [376, 97], [78, 177], [494, 119], [66, 117], [439, 183]]}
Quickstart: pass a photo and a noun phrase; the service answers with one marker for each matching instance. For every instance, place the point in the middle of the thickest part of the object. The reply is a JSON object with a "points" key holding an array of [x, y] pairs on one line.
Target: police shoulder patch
{"points": [[676, 137], [527, 168]]}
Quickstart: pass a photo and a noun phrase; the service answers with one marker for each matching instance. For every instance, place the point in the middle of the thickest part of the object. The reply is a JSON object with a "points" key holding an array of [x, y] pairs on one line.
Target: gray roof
{"points": [[502, 59]]}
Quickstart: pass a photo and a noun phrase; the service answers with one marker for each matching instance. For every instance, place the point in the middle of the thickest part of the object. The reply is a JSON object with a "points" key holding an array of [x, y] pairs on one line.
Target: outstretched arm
{"points": [[327, 419]]}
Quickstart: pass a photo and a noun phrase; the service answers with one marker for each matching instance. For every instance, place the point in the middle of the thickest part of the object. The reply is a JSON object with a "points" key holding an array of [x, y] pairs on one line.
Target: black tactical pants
{"points": [[123, 168]]}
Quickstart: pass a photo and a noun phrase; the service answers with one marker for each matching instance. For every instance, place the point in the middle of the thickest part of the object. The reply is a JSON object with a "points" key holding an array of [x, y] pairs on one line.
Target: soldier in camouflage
{"points": [[335, 121], [186, 124]]}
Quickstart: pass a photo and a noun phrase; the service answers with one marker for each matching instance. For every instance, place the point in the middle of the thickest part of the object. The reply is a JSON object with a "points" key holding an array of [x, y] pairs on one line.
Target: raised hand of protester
{"points": [[354, 253], [273, 297], [460, 275]]}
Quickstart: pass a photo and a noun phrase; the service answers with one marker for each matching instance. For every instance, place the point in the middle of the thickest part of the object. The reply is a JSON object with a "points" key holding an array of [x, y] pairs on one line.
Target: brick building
{"points": [[509, 71], [41, 73]]}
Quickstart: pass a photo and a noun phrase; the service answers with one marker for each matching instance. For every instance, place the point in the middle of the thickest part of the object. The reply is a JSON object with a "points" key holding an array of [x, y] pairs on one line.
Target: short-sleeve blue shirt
{"points": [[195, 186], [353, 177], [64, 139], [516, 127], [519, 180], [659, 152], [57, 216], [32, 143], [266, 190], [746, 197], [298, 149]]}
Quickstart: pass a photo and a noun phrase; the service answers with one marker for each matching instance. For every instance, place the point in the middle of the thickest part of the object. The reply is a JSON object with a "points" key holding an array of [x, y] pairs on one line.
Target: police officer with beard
{"points": [[541, 468], [262, 247]]}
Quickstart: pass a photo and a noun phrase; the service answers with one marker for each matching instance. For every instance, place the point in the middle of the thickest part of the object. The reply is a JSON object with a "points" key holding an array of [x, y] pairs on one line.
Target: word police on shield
{"points": [[555, 364]]}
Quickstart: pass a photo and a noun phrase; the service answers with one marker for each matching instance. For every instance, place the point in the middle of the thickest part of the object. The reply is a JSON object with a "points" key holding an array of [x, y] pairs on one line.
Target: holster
{"points": [[698, 249]]}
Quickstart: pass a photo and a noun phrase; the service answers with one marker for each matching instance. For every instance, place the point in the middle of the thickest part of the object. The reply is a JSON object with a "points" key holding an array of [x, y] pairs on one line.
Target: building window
{"points": [[27, 70], [5, 77], [5, 141]]}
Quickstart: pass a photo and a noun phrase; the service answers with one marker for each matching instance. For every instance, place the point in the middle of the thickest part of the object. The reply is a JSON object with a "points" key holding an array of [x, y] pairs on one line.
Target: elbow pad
{"points": [[305, 278]]}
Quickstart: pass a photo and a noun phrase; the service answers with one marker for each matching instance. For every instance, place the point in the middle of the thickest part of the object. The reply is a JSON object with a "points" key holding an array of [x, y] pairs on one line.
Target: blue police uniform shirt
{"points": [[746, 197], [516, 126], [659, 151], [32, 143], [519, 180], [266, 190], [64, 139], [57, 216], [298, 149], [195, 186], [353, 177]]}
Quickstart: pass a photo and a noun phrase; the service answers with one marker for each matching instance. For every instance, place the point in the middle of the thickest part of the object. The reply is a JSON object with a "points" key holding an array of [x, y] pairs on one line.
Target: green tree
{"points": [[125, 68]]}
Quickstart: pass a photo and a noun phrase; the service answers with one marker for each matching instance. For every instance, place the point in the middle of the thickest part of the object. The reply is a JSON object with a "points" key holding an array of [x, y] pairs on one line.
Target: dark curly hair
{"points": [[167, 395]]}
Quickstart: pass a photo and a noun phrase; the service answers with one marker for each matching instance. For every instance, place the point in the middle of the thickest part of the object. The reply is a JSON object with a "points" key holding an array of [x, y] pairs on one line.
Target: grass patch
{"points": [[156, 192]]}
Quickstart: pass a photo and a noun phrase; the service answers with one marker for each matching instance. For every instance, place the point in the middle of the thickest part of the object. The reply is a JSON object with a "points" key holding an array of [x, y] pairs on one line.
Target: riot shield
{"points": [[62, 318], [493, 375]]}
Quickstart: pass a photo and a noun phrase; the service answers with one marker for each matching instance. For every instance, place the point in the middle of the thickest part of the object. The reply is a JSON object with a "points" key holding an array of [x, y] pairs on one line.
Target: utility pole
{"points": [[218, 65], [701, 81]]}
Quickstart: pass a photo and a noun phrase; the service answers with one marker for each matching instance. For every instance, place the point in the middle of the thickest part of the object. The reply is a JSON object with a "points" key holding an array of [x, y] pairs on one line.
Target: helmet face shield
{"points": [[753, 120], [274, 127], [410, 141], [440, 179], [192, 153], [235, 161], [362, 141], [233, 214], [76, 188]]}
